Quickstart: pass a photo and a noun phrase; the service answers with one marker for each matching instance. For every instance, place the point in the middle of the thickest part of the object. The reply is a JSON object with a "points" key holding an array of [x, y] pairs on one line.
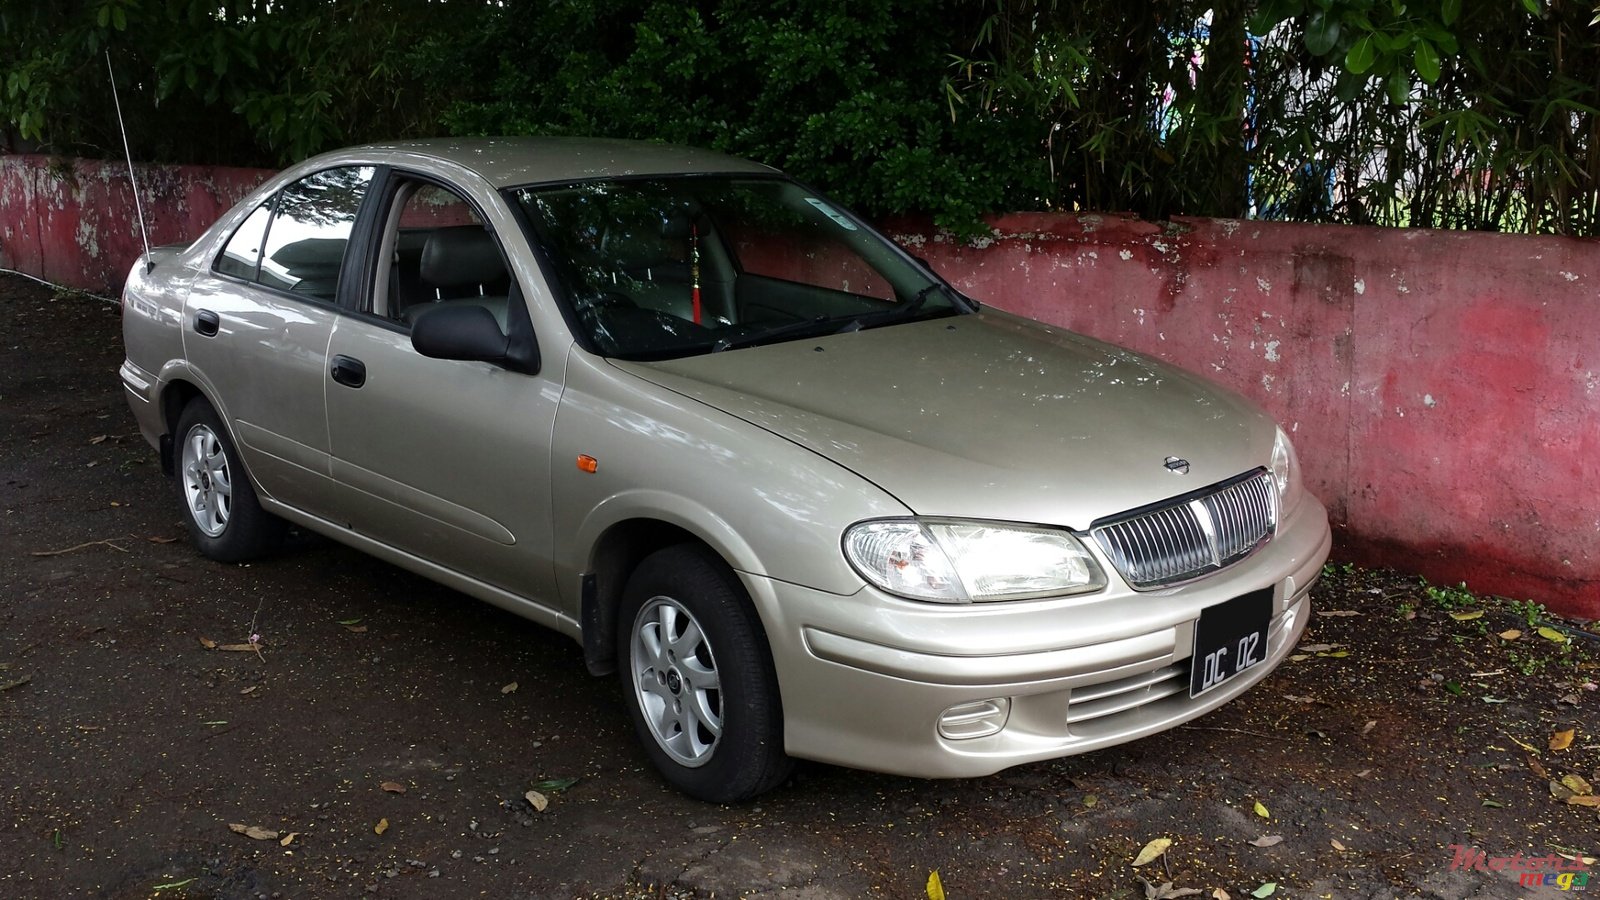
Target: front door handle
{"points": [[349, 371], [206, 322]]}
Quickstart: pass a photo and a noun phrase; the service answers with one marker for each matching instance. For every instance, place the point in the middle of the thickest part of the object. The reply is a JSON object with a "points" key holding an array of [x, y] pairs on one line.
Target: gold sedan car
{"points": [[804, 497]]}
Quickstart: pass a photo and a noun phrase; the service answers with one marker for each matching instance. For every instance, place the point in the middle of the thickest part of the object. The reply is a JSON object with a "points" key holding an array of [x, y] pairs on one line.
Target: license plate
{"points": [[1229, 638]]}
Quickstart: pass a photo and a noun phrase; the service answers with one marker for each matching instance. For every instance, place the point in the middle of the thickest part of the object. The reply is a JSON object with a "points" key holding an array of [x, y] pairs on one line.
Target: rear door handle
{"points": [[206, 322], [349, 371]]}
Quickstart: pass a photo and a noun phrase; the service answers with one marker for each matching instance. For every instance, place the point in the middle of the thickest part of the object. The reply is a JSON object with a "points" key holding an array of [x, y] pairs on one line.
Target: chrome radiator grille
{"points": [[1192, 536]]}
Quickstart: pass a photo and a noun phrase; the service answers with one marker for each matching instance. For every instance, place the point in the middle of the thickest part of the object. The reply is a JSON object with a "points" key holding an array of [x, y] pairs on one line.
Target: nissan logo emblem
{"points": [[1177, 465]]}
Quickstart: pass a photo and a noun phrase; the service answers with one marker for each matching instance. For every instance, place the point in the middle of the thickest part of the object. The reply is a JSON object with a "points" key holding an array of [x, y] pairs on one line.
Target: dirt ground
{"points": [[377, 734]]}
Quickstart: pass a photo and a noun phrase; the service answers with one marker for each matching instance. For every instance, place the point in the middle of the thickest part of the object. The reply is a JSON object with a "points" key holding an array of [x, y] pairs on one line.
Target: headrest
{"points": [[462, 254]]}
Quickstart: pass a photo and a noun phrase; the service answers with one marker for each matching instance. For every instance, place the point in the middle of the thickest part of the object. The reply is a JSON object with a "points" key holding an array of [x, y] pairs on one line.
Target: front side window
{"points": [[673, 266], [439, 252], [296, 243]]}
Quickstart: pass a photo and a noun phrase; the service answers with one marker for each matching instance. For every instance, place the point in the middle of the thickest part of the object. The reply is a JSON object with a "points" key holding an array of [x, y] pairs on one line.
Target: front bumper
{"points": [[865, 678]]}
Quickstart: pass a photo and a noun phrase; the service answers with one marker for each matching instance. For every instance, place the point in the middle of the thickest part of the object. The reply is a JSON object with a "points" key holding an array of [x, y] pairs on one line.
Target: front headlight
{"points": [[1285, 473], [953, 561]]}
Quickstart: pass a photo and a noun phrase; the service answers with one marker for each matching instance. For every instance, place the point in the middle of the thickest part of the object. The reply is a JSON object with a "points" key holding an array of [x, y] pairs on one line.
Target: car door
{"points": [[445, 460], [256, 330]]}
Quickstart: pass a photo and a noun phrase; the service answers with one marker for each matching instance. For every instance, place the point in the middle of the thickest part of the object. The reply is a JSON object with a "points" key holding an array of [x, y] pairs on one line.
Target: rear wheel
{"points": [[220, 508], [698, 678]]}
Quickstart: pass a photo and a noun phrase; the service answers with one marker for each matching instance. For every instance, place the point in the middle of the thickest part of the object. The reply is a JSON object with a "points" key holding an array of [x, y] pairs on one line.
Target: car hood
{"points": [[986, 416]]}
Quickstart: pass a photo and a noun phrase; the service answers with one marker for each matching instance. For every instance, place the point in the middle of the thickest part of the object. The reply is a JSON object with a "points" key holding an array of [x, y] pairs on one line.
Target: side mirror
{"points": [[469, 332], [460, 332]]}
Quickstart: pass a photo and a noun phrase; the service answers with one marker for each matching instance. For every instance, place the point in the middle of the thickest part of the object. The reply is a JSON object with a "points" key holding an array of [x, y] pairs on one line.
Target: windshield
{"points": [[664, 267]]}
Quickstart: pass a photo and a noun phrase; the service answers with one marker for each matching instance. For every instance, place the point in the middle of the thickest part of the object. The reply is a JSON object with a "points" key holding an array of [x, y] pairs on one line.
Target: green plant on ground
{"points": [[1529, 611], [1451, 598]]}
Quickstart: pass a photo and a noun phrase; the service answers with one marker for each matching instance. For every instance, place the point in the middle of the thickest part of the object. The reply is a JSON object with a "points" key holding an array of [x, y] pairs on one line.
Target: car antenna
{"points": [[138, 205]]}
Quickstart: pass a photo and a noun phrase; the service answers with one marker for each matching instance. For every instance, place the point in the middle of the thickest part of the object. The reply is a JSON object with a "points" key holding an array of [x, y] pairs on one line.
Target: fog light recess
{"points": [[977, 719]]}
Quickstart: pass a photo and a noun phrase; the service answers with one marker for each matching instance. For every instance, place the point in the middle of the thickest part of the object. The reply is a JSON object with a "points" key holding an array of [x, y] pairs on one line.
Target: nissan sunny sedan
{"points": [[800, 494]]}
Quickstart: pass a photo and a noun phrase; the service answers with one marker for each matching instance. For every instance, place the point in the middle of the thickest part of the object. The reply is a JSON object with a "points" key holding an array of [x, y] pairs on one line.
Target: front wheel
{"points": [[698, 678], [220, 508]]}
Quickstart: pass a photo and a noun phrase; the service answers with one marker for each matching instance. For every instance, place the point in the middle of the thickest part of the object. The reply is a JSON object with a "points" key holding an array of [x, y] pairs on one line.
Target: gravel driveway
{"points": [[381, 734]]}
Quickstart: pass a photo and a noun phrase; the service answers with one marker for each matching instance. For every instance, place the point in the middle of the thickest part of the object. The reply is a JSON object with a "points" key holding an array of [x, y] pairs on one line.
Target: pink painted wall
{"points": [[72, 221], [1443, 388]]}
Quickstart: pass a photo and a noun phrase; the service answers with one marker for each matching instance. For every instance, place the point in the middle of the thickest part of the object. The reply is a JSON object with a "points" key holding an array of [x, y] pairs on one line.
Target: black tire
{"points": [[219, 504], [745, 757]]}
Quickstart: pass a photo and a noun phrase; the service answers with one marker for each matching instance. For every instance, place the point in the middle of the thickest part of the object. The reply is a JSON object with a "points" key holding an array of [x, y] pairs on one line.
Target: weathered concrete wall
{"points": [[72, 221], [1443, 388]]}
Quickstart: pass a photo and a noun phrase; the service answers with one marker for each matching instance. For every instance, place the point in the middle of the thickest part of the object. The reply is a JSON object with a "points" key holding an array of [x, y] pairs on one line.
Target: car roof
{"points": [[512, 161]]}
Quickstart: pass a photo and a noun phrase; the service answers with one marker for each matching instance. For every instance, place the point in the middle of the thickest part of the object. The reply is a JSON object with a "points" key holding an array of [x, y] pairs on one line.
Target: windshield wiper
{"points": [[899, 313], [819, 323]]}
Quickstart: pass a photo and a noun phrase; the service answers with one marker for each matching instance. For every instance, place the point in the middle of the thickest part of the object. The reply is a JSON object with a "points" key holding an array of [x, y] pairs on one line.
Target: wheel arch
{"points": [[616, 552], [175, 395]]}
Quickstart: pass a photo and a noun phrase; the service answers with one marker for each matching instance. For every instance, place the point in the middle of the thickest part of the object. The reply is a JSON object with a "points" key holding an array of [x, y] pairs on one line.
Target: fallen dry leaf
{"points": [[1367, 728], [1510, 634], [1577, 785], [157, 539], [1152, 851], [1268, 840], [16, 683], [253, 832], [1165, 891], [1467, 615], [509, 689], [1561, 740], [1337, 612], [288, 839], [1550, 634], [1090, 801], [537, 800], [1261, 810], [1526, 746], [356, 629], [393, 787], [1584, 800], [208, 643], [1297, 698], [251, 689], [1220, 894], [238, 648], [1537, 768], [935, 889], [98, 439], [381, 827], [1338, 845], [1336, 654], [1561, 791], [1315, 648]]}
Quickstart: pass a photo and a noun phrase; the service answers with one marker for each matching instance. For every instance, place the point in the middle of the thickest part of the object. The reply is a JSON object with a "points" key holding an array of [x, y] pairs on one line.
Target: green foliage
{"points": [[839, 93], [241, 82], [1425, 113]]}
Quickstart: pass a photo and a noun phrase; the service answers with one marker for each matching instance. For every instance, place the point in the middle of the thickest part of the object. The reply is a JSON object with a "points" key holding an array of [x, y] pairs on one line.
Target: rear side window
{"points": [[297, 242], [243, 253]]}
